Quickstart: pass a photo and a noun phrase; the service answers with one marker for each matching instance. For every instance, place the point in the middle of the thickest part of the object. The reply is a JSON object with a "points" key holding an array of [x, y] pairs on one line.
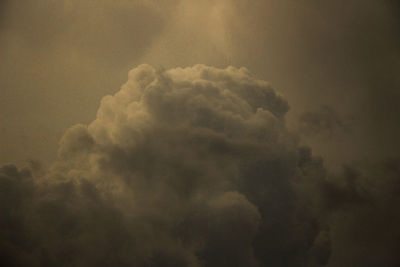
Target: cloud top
{"points": [[191, 167]]}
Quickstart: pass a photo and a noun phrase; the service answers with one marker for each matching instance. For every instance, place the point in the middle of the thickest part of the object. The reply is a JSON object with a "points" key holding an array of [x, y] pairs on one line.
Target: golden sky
{"points": [[60, 58], [175, 117]]}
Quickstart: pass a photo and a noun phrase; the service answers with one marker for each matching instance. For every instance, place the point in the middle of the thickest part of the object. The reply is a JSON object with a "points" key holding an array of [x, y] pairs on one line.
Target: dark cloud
{"points": [[359, 209], [195, 167], [181, 167]]}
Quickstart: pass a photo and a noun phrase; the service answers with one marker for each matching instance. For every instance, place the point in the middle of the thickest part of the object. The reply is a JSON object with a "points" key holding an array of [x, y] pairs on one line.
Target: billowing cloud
{"points": [[194, 167], [181, 167]]}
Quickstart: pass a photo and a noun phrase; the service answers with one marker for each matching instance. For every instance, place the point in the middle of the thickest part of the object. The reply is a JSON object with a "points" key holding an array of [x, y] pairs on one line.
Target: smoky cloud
{"points": [[357, 212], [195, 167], [181, 167]]}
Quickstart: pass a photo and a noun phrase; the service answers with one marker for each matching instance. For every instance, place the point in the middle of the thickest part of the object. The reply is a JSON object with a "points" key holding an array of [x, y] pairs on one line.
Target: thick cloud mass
{"points": [[358, 208], [191, 167]]}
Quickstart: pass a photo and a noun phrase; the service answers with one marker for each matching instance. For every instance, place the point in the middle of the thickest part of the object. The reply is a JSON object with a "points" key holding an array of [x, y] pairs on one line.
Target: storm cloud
{"points": [[199, 166], [181, 167], [195, 167]]}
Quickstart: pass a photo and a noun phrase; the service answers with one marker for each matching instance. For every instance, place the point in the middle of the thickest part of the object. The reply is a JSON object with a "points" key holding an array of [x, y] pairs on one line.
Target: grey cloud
{"points": [[195, 167], [179, 159], [364, 229], [357, 210], [181, 167]]}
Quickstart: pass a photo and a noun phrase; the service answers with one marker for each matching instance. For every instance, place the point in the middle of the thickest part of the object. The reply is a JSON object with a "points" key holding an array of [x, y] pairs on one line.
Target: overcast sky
{"points": [[60, 57], [330, 74]]}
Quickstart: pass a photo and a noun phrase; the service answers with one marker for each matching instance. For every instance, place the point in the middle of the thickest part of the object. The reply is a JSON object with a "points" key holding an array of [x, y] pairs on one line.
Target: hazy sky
{"points": [[332, 97], [60, 57]]}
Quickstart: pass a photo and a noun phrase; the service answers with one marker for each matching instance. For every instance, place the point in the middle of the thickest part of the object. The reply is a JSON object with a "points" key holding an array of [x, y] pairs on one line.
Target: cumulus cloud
{"points": [[181, 167], [190, 167]]}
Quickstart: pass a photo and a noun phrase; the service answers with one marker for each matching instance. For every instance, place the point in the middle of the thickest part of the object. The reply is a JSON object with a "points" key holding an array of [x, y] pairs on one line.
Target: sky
{"points": [[201, 133]]}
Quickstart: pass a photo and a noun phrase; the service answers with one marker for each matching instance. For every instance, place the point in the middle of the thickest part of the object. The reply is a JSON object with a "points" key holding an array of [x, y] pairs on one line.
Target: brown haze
{"points": [[194, 159]]}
